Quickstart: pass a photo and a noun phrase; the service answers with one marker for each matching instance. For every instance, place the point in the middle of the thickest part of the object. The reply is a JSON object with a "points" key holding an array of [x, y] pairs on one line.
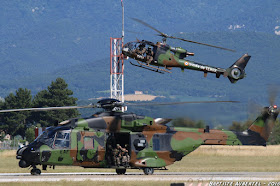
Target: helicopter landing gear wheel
{"points": [[148, 171], [120, 171], [35, 171]]}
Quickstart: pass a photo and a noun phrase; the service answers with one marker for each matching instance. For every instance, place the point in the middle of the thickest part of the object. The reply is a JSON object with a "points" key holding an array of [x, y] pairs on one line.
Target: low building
{"points": [[7, 137], [138, 92]]}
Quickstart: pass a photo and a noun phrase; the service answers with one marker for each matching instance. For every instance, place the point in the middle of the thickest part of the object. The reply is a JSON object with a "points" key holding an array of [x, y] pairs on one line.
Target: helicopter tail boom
{"points": [[257, 134], [260, 130], [237, 71]]}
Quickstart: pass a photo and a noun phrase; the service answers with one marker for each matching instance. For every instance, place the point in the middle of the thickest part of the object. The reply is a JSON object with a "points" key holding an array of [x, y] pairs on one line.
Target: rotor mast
{"points": [[117, 64]]}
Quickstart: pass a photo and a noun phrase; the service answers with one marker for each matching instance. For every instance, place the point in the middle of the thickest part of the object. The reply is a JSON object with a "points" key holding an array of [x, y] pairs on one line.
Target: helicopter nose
{"points": [[20, 155], [20, 152], [125, 49], [27, 156]]}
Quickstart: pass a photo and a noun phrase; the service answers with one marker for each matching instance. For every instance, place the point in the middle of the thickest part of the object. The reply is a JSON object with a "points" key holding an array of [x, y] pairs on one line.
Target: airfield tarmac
{"points": [[136, 176]]}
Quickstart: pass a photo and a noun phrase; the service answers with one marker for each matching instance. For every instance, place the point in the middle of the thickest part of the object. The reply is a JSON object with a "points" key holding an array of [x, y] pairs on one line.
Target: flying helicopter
{"points": [[152, 56], [120, 140]]}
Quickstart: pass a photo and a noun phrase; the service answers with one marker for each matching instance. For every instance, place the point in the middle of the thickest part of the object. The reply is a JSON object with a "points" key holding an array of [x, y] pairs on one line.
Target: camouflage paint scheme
{"points": [[151, 143], [168, 57]]}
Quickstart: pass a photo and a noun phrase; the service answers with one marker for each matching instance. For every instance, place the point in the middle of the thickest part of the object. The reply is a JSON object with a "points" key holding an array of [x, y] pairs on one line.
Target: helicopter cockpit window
{"points": [[47, 138], [130, 46], [62, 139]]}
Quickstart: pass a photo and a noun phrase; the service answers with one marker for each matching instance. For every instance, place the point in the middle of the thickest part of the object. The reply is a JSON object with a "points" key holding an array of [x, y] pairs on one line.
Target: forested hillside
{"points": [[43, 40], [91, 79]]}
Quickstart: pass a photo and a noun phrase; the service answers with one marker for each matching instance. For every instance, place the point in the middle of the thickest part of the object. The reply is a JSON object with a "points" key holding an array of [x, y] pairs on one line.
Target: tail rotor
{"points": [[237, 71]]}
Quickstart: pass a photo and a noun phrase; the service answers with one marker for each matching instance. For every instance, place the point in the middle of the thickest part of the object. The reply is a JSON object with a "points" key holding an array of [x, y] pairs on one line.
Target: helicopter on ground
{"points": [[143, 142], [152, 56]]}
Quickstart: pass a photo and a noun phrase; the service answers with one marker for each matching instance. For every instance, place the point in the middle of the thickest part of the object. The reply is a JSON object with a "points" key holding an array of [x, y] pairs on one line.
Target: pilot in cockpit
{"points": [[141, 50]]}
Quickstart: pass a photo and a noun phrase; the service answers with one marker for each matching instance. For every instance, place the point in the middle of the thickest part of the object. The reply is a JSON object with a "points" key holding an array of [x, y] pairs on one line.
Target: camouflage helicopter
{"points": [[120, 140], [152, 56]]}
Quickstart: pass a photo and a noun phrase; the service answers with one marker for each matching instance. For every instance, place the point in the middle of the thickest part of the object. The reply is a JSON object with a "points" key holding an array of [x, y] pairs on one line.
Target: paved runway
{"points": [[135, 176]]}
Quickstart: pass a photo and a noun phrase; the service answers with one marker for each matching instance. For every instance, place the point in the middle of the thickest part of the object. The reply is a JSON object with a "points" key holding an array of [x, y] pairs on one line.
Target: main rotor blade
{"points": [[177, 103], [172, 37], [147, 25], [98, 106], [48, 108]]}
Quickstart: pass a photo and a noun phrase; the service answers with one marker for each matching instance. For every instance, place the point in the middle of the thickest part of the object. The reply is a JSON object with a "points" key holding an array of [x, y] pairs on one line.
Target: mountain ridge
{"points": [[43, 40]]}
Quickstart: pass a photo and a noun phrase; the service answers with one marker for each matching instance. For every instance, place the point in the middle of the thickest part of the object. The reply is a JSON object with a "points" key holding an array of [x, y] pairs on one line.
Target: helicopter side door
{"points": [[113, 140], [90, 147]]}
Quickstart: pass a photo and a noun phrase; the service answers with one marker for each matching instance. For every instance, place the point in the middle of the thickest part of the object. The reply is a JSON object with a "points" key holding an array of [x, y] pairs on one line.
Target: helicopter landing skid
{"points": [[148, 67]]}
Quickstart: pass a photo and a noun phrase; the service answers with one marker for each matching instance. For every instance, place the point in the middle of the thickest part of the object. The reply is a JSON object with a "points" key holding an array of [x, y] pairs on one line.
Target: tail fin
{"points": [[257, 134], [237, 71], [263, 125]]}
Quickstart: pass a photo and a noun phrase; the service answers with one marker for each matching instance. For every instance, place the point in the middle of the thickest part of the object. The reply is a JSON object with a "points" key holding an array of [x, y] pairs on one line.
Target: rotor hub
{"points": [[109, 104]]}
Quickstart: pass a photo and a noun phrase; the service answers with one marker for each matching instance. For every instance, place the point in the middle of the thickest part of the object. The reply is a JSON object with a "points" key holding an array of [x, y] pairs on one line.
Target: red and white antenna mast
{"points": [[117, 64]]}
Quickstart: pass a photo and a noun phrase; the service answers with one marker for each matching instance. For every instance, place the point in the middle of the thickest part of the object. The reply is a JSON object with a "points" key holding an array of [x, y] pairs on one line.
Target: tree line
{"points": [[23, 123], [57, 94]]}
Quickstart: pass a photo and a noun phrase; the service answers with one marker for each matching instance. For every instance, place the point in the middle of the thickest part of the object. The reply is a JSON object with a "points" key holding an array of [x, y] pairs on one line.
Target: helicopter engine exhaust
{"points": [[237, 71]]}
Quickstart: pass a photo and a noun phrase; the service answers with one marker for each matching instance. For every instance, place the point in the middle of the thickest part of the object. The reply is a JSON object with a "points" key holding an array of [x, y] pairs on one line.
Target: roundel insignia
{"points": [[186, 63]]}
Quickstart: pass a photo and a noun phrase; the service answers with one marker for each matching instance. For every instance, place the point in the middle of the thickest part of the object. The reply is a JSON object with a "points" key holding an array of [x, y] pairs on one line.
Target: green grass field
{"points": [[204, 159], [90, 183], [230, 159]]}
